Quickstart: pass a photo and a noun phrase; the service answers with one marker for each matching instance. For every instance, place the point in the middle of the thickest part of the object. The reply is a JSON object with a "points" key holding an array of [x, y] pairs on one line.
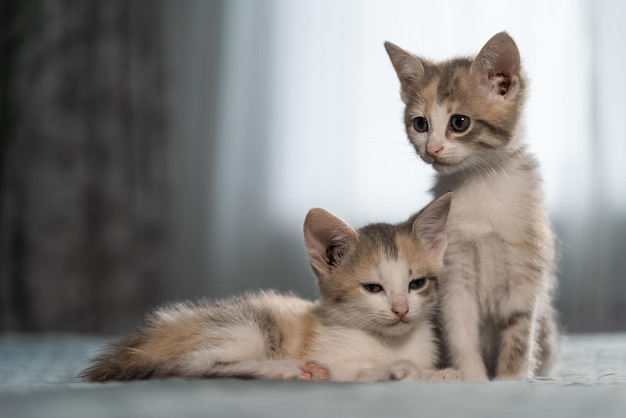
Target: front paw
{"points": [[312, 370], [404, 370], [296, 370], [476, 374], [445, 375]]}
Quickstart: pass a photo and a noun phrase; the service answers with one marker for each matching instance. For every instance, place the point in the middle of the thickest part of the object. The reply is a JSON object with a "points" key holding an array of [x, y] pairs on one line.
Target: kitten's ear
{"points": [[326, 238], [498, 67], [429, 226], [408, 67]]}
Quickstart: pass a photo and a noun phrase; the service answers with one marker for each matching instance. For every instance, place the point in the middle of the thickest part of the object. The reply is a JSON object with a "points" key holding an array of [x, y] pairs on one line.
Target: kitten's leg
{"points": [[245, 355], [548, 342], [462, 336], [460, 313], [520, 328], [516, 347], [528, 336], [270, 369], [405, 370]]}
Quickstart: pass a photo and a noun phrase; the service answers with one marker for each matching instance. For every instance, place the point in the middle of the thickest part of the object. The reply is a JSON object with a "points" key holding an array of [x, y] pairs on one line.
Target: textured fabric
{"points": [[37, 378]]}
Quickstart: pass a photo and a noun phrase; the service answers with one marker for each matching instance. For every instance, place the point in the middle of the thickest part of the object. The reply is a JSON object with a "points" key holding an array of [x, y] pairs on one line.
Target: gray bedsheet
{"points": [[37, 379]]}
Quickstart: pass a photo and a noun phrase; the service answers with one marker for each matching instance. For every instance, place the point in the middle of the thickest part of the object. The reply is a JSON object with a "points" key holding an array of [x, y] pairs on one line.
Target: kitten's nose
{"points": [[434, 149], [400, 311]]}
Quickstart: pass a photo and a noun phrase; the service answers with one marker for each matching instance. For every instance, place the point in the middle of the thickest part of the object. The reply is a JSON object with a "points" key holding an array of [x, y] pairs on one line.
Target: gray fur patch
{"points": [[496, 131], [381, 236], [514, 319]]}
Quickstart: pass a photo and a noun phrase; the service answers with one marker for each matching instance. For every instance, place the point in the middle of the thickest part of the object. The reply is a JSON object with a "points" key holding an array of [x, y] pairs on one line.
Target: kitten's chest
{"points": [[493, 239], [488, 206], [347, 351]]}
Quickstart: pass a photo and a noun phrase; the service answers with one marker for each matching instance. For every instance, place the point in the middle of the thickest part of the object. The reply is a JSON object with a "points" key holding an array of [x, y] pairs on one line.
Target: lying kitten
{"points": [[374, 321], [463, 116]]}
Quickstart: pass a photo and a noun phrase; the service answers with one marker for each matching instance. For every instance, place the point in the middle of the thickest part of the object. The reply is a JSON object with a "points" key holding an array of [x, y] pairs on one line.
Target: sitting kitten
{"points": [[463, 116], [374, 321]]}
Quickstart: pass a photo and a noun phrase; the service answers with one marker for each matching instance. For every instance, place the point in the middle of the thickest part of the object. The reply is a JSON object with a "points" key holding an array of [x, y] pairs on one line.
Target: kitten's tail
{"points": [[121, 362]]}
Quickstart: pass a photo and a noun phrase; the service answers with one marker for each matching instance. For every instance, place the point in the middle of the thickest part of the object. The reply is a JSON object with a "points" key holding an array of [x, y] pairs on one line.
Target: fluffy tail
{"points": [[121, 361]]}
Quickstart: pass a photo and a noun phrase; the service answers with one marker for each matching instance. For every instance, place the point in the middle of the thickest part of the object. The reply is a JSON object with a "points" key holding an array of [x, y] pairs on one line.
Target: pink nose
{"points": [[400, 311], [434, 149]]}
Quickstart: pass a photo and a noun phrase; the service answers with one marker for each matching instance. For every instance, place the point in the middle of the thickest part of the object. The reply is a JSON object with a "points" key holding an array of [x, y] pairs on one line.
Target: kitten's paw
{"points": [[478, 376], [445, 375], [312, 370], [297, 370], [404, 370]]}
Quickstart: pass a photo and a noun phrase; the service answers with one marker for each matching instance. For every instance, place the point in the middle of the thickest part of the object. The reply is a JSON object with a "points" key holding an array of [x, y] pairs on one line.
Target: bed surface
{"points": [[37, 379]]}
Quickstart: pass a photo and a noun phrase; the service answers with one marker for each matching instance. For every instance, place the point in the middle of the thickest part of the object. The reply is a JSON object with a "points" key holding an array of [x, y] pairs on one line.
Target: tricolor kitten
{"points": [[463, 116], [378, 287]]}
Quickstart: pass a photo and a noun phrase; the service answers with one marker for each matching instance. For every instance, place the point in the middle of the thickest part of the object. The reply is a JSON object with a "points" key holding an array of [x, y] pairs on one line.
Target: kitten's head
{"points": [[381, 278], [462, 114]]}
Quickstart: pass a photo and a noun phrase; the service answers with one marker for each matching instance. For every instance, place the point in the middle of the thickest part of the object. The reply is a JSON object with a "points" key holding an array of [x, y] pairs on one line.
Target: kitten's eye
{"points": [[372, 287], [459, 123], [417, 283], [420, 124]]}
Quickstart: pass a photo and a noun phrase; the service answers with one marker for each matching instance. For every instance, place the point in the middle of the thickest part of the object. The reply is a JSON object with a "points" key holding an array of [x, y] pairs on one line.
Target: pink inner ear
{"points": [[324, 236], [506, 63], [497, 84], [316, 243], [498, 65], [317, 250]]}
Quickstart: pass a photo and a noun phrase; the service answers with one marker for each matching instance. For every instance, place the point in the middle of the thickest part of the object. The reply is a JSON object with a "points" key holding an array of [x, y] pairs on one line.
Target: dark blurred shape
{"points": [[84, 207]]}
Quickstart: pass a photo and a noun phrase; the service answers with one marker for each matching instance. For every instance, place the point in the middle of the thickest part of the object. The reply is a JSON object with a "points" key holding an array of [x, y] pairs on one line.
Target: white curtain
{"points": [[310, 115]]}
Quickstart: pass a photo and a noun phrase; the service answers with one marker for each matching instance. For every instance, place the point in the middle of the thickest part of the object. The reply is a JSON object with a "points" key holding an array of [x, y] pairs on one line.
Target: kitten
{"points": [[463, 117], [378, 287]]}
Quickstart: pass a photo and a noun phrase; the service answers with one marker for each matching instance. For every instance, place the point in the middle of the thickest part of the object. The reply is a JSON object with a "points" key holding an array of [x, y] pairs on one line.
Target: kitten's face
{"points": [[381, 278], [462, 114], [386, 285]]}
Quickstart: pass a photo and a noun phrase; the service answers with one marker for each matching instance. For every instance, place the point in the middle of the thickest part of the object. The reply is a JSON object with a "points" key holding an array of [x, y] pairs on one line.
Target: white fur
{"points": [[499, 261], [438, 119], [246, 341], [394, 274], [400, 351], [451, 155], [350, 353], [174, 313], [351, 334], [505, 192], [271, 369], [490, 213], [354, 354]]}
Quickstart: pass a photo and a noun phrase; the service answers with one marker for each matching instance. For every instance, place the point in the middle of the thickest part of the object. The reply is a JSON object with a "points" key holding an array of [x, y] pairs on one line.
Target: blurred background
{"points": [[158, 150]]}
